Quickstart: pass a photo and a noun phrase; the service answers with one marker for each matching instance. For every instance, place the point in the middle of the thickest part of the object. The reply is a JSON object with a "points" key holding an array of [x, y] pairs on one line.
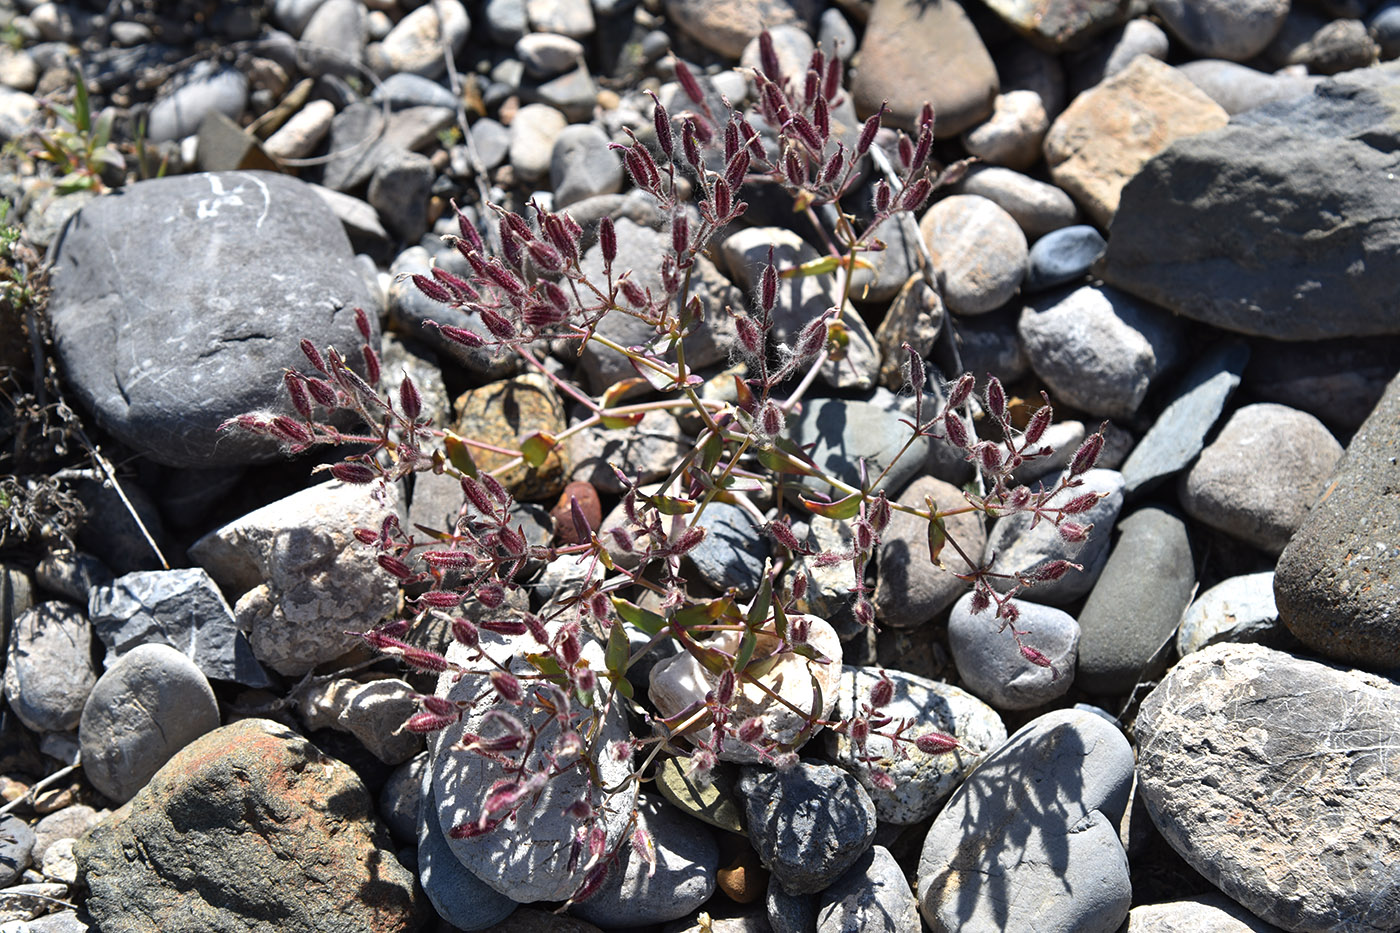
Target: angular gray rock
{"points": [[1270, 775], [1336, 584], [179, 608], [206, 88], [1211, 29], [1134, 608], [1030, 840], [1206, 913], [1338, 381], [1302, 188], [846, 432], [733, 549], [991, 665], [459, 897], [49, 669], [582, 166], [161, 349], [1238, 609], [149, 705], [873, 896]]}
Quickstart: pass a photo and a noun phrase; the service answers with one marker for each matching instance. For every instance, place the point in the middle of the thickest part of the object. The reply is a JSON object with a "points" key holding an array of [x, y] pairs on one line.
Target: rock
{"points": [[687, 857], [733, 549], [70, 573], [727, 26], [1207, 913], [293, 15], [16, 848], [978, 252], [990, 663], [402, 89], [305, 581], [646, 452], [872, 896], [1013, 133], [19, 71], [835, 35], [161, 353], [742, 878], [541, 870], [1178, 435], [1108, 133], [1057, 27], [829, 586], [1134, 609], [299, 136], [1036, 206], [572, 18], [411, 310], [1063, 256], [680, 680], [892, 267], [1020, 548], [362, 139], [1336, 586], [26, 902], [1319, 154], [17, 592], [799, 300], [1211, 29], [18, 113], [1038, 818], [1339, 381], [144, 709], [1338, 46], [1238, 88], [1257, 479], [415, 44], [910, 590], [505, 413], [711, 799], [988, 343], [1240, 609], [232, 823], [1383, 24], [921, 781], [1224, 733], [399, 799], [913, 53], [69, 823], [915, 317], [791, 44], [458, 896], [1098, 349], [545, 55], [360, 220], [582, 166], [562, 514], [59, 864], [788, 913], [333, 41], [809, 823], [573, 94], [207, 87], [1116, 51], [49, 668], [845, 432], [506, 20], [224, 146], [179, 608], [372, 712], [399, 190], [1065, 438]]}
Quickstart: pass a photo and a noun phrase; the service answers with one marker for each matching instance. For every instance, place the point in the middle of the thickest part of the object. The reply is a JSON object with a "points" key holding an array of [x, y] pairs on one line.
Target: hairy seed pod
{"points": [[690, 145], [409, 399], [687, 541], [546, 257], [353, 473], [905, 149], [860, 732], [955, 429], [795, 167], [864, 613], [751, 730], [936, 743], [460, 335], [882, 196], [722, 200], [498, 492], [1036, 657], [768, 286], [725, 688], [771, 419], [296, 390], [1074, 532], [921, 150], [540, 316], [736, 169], [424, 723], [1080, 503], [799, 587], [633, 293], [882, 693], [879, 513], [460, 288], [313, 356], [868, 131], [394, 566], [810, 83], [680, 234], [807, 133], [507, 687], [926, 116], [962, 390], [471, 239], [433, 290], [1035, 428], [323, 392], [662, 121], [362, 323], [731, 140], [475, 493], [1087, 454], [491, 595], [607, 239], [499, 327], [289, 430], [915, 195], [821, 119], [424, 660], [371, 364], [989, 456], [768, 57], [686, 78], [996, 399], [622, 538], [831, 84], [555, 297], [811, 340], [864, 536], [504, 626]]}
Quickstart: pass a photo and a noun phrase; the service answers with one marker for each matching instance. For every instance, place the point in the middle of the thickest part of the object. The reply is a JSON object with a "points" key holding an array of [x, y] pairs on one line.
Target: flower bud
{"points": [[768, 286], [882, 693], [936, 743], [1036, 657], [1074, 532], [879, 513], [1087, 454], [680, 234], [860, 732], [546, 257], [464, 632], [662, 121], [362, 323], [354, 473], [915, 195], [799, 630], [1035, 428], [424, 660], [962, 390], [507, 687], [768, 57], [955, 429], [906, 152], [433, 290], [459, 335], [296, 390], [882, 196], [687, 81], [751, 730], [868, 131], [607, 239], [771, 418], [834, 165], [996, 399], [313, 356], [736, 168]]}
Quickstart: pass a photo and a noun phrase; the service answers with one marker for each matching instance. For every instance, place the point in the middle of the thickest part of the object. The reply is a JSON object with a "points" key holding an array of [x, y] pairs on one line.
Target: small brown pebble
{"points": [[11, 789], [608, 100], [743, 880], [563, 514]]}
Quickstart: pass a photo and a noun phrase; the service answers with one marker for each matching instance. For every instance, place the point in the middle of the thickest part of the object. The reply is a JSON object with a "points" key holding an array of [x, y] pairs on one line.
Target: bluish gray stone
{"points": [[362, 139], [1273, 179], [506, 21], [1179, 433], [790, 913], [809, 823], [921, 781], [1139, 598], [1384, 26], [847, 431], [492, 141], [1030, 840], [1223, 30], [180, 608], [16, 595], [206, 87], [16, 848], [400, 799], [1237, 609], [1020, 548], [412, 310], [1270, 775], [732, 551], [399, 190], [333, 41], [1336, 584], [583, 166], [1238, 88], [991, 665], [1337, 381], [873, 896], [545, 54], [687, 858], [1063, 256], [402, 90], [49, 669], [162, 351], [910, 590], [459, 897], [989, 343]]}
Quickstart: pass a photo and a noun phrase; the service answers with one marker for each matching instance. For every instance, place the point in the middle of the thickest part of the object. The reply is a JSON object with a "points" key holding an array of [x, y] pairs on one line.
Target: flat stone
{"points": [[872, 896], [1337, 46], [1325, 156], [399, 190], [991, 666], [362, 139], [232, 823], [1037, 206], [1267, 796], [503, 414], [727, 26], [545, 55], [1116, 51], [1238, 87], [49, 668], [714, 801], [1178, 435], [403, 89], [921, 781], [1236, 610], [1058, 27], [733, 550], [1108, 133], [845, 432], [16, 848], [572, 18], [910, 591], [1257, 479], [582, 166], [180, 608], [67, 573], [1098, 349], [145, 708], [163, 351], [300, 135], [1063, 256], [917, 52], [978, 252], [1336, 585], [1040, 816], [1134, 608], [415, 43], [1212, 29]]}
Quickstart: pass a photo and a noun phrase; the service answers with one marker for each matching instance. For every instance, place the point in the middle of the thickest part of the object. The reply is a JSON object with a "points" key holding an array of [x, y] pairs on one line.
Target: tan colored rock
{"points": [[503, 413], [1110, 131], [978, 252], [1057, 26], [914, 52]]}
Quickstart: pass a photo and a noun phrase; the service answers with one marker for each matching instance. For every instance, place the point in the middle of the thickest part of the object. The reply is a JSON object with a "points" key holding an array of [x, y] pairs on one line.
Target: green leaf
{"points": [[747, 645], [672, 505], [703, 613], [614, 393], [824, 265], [618, 649], [459, 454], [102, 129], [618, 422], [711, 452], [937, 537], [82, 108], [536, 447], [548, 666], [758, 612], [632, 614], [734, 483], [840, 510]]}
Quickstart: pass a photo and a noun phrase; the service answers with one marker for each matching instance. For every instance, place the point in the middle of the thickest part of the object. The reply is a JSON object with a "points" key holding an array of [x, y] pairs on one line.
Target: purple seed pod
{"points": [[504, 626], [662, 121], [546, 257], [996, 399], [289, 430], [811, 340], [491, 595], [725, 688], [504, 278], [905, 148], [751, 730], [811, 82], [723, 200], [539, 315], [879, 513], [555, 297], [921, 150], [476, 495], [782, 532], [570, 648], [409, 399], [821, 119], [461, 288], [882, 196], [1039, 422], [864, 536], [467, 229], [622, 538], [424, 723], [989, 456], [799, 587], [688, 541], [736, 169], [680, 234], [507, 687], [936, 743], [768, 57], [795, 167], [831, 85], [868, 131], [771, 419], [860, 732], [864, 612], [955, 429], [353, 473], [962, 390], [1087, 454], [768, 285], [460, 335], [394, 566], [731, 140], [670, 274], [752, 140], [633, 293], [371, 364], [1080, 504], [297, 391], [649, 167], [607, 239], [323, 392], [807, 133], [498, 492], [882, 693], [687, 81], [499, 327], [690, 145], [313, 356], [926, 116], [535, 625], [1074, 532], [750, 337], [362, 323], [424, 660], [915, 195]]}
